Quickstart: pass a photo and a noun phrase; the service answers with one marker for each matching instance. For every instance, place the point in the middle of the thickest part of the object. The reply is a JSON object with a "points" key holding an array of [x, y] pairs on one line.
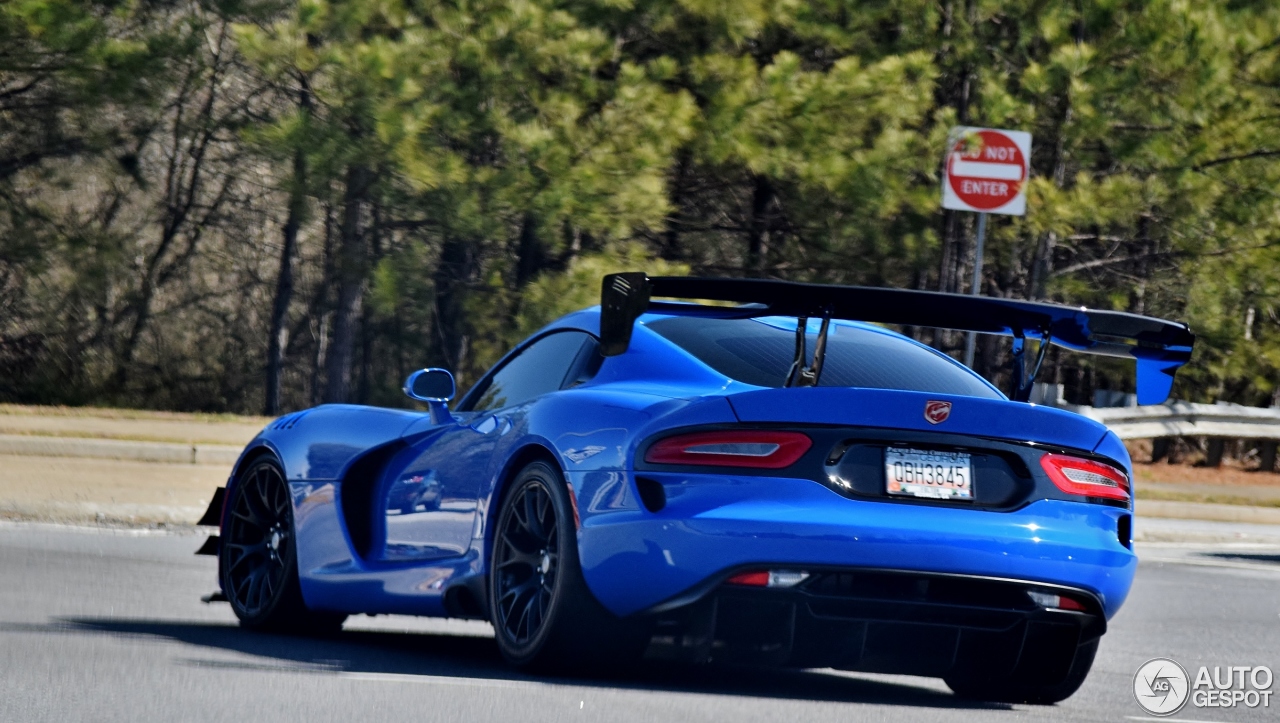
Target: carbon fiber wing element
{"points": [[1159, 347]]}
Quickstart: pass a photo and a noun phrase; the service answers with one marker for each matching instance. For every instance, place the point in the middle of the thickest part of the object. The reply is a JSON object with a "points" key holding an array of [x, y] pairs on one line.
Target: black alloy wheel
{"points": [[544, 616], [525, 563], [258, 557]]}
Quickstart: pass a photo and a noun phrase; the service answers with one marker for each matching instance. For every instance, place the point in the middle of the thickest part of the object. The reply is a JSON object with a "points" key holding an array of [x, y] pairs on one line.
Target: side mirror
{"points": [[435, 387]]}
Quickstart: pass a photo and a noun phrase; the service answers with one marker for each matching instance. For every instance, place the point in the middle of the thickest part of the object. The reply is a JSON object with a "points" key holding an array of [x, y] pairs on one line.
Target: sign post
{"points": [[986, 172]]}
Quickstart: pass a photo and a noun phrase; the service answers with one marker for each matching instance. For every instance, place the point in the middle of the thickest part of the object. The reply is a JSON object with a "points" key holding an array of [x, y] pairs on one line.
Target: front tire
{"points": [[544, 617], [258, 561]]}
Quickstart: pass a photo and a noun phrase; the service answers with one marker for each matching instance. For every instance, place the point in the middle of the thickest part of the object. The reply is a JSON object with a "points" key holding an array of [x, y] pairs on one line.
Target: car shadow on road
{"points": [[1245, 556], [474, 660]]}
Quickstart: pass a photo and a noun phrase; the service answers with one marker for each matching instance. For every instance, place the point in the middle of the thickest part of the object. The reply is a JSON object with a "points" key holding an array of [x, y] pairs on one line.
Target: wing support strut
{"points": [[800, 374], [1022, 381]]}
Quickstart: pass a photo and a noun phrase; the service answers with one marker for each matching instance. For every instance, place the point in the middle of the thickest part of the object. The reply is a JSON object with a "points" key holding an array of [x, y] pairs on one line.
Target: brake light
{"points": [[764, 449], [755, 578], [1054, 601], [769, 578], [1077, 476]]}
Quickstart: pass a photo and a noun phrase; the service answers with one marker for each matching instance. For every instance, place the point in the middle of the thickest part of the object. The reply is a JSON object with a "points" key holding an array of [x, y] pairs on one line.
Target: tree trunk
{"points": [[1267, 456], [1160, 447], [670, 248], [317, 318], [531, 258], [351, 274], [277, 338], [1213, 452], [949, 266], [278, 335], [369, 330], [758, 235], [452, 277], [954, 90]]}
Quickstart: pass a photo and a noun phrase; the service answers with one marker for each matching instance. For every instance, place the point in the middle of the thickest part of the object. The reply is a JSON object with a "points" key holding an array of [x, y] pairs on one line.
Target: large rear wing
{"points": [[1158, 346]]}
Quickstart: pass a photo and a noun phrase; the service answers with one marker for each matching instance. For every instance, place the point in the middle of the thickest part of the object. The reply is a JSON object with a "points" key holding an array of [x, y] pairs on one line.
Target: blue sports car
{"points": [[691, 482]]}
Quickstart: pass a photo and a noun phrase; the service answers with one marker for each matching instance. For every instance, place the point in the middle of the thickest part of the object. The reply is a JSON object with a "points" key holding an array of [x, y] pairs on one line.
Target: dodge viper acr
{"points": [[691, 482]]}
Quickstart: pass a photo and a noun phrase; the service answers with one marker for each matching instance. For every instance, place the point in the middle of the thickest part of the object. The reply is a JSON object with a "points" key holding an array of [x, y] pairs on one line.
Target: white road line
{"points": [[105, 529], [1170, 720], [446, 680], [1225, 564]]}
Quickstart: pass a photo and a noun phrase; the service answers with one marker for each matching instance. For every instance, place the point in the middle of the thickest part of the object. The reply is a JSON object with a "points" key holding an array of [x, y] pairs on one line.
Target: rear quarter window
{"points": [[757, 353]]}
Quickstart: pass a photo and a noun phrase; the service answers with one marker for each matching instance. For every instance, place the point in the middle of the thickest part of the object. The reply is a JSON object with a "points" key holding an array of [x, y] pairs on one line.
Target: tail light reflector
{"points": [[762, 449], [1085, 477], [1055, 602], [755, 578], [769, 578]]}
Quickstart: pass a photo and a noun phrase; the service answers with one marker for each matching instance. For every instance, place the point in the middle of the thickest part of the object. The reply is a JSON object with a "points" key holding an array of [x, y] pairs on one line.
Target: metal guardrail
{"points": [[1185, 419]]}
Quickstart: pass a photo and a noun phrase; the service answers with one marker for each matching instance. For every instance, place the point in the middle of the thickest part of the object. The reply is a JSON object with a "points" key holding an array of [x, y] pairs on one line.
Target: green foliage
{"points": [[553, 295], [492, 159]]}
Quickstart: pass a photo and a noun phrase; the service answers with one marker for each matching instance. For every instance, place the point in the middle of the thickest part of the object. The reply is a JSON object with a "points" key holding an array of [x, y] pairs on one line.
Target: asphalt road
{"points": [[107, 626]]}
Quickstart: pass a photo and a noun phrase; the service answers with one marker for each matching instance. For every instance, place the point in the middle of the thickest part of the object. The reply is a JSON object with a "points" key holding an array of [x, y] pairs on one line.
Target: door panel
{"points": [[431, 489], [430, 493]]}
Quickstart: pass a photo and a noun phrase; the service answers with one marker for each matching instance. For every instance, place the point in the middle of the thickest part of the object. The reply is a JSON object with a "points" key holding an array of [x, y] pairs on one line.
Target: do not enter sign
{"points": [[986, 171]]}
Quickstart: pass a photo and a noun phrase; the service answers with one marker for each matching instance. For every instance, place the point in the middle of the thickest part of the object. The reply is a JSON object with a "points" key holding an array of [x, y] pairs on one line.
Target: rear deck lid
{"points": [[919, 411]]}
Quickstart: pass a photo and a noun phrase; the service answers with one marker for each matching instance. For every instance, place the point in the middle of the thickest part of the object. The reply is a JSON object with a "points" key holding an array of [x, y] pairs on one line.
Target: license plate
{"points": [[928, 473]]}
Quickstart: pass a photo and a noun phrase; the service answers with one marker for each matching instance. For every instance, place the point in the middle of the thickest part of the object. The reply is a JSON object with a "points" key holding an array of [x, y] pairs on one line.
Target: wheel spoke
{"points": [[260, 514], [518, 516], [532, 522], [545, 509], [282, 501], [251, 519], [263, 477], [247, 551], [517, 556], [252, 581], [518, 591], [268, 587], [526, 616]]}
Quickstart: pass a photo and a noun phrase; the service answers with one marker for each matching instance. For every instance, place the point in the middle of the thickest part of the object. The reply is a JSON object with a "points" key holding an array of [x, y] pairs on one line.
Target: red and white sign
{"points": [[986, 170]]}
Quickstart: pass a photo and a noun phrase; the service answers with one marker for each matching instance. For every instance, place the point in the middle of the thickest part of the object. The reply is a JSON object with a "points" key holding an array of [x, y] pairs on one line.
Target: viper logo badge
{"points": [[937, 412]]}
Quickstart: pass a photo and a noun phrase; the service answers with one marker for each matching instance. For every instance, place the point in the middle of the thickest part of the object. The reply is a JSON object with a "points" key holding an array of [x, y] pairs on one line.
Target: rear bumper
{"points": [[905, 623], [638, 561]]}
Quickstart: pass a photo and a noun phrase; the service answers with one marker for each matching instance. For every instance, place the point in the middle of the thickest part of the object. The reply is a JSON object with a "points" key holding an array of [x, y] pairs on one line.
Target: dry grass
{"points": [[1230, 474], [23, 410], [1173, 495], [71, 489], [129, 425]]}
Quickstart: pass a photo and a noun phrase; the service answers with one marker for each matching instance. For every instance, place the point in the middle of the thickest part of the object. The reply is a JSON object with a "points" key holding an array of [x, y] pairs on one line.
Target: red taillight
{"points": [[1077, 476], [763, 449], [1066, 603], [769, 578], [1054, 601], [755, 578]]}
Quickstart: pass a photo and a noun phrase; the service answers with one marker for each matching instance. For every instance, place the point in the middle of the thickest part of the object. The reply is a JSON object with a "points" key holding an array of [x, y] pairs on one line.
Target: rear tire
{"points": [[257, 558], [1017, 689], [545, 619]]}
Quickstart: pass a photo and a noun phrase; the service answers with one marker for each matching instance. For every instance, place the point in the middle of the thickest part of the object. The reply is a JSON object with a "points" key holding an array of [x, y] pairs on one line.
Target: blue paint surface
{"points": [[430, 490]]}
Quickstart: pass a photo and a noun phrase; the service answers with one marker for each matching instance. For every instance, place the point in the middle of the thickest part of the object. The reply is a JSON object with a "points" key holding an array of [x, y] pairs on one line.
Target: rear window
{"points": [[754, 352]]}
